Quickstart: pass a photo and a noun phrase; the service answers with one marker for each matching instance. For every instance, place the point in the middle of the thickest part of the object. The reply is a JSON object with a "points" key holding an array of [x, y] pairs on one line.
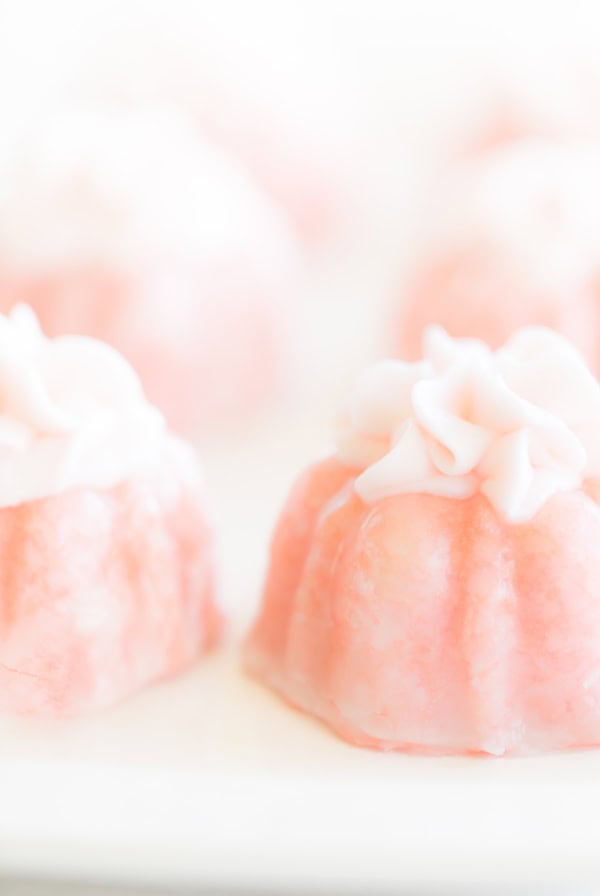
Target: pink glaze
{"points": [[427, 623], [103, 593], [206, 344]]}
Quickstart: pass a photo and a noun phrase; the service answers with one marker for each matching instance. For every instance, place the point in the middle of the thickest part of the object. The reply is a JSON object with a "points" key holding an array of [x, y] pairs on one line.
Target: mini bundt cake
{"points": [[106, 562], [435, 585]]}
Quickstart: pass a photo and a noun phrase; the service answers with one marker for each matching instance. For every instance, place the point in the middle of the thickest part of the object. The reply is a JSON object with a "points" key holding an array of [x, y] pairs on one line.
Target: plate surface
{"points": [[211, 780]]}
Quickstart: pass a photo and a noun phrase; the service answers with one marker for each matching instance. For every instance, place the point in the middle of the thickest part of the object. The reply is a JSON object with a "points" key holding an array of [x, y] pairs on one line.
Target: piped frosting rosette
{"points": [[72, 414], [518, 425]]}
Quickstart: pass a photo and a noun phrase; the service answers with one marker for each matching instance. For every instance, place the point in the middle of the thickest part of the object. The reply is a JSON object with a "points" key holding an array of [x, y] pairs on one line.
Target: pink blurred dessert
{"points": [[542, 98], [514, 239], [294, 154], [106, 551], [278, 94], [434, 585], [128, 227]]}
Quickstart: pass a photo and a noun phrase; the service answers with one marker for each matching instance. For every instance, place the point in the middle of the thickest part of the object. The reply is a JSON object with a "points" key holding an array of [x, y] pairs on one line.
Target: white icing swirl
{"points": [[72, 414], [517, 425]]}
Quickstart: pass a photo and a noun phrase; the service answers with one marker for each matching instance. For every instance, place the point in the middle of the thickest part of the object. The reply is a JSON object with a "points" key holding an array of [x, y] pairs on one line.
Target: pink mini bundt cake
{"points": [[435, 585], [515, 240], [105, 552], [128, 227]]}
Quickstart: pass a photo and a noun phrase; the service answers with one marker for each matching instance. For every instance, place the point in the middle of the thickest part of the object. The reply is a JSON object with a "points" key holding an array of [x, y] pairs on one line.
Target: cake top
{"points": [[119, 187], [73, 414], [518, 425], [532, 206]]}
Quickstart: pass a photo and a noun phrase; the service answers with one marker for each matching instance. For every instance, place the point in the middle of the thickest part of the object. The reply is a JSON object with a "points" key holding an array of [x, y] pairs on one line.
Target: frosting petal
{"points": [[72, 414], [517, 425], [442, 406]]}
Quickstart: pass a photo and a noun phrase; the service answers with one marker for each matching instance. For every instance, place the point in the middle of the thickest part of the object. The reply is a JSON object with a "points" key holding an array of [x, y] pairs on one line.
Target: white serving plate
{"points": [[211, 781]]}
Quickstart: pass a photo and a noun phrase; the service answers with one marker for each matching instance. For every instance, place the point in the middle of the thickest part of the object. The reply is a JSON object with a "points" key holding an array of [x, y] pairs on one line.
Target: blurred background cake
{"points": [[127, 225], [511, 237]]}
